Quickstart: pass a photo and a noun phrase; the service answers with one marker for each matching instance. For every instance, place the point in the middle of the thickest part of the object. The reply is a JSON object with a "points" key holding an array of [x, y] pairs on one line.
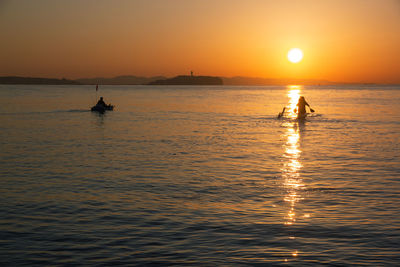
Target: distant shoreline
{"points": [[178, 80], [189, 80], [30, 80]]}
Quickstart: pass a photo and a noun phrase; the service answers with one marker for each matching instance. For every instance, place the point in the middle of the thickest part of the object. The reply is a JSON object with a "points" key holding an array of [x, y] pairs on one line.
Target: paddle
{"points": [[281, 113]]}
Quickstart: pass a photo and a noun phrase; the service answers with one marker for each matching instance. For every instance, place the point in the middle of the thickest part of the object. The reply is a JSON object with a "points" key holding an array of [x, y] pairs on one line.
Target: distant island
{"points": [[189, 80], [120, 80]]}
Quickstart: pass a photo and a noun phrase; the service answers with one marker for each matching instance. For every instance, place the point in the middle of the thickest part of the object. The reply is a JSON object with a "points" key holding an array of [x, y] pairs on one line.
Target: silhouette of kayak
{"points": [[102, 109]]}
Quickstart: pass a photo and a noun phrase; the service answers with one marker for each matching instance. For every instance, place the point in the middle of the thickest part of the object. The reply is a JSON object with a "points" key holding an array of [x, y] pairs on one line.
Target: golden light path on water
{"points": [[292, 180], [293, 94]]}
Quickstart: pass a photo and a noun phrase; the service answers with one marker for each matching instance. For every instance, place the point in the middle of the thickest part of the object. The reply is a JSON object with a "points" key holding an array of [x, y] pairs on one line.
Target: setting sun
{"points": [[295, 55]]}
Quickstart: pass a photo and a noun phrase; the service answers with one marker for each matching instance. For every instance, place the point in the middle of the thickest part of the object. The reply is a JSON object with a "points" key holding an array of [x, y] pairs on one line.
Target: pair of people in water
{"points": [[300, 110]]}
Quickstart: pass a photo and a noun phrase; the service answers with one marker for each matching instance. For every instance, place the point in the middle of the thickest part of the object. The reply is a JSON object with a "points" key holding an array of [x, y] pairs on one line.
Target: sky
{"points": [[342, 40]]}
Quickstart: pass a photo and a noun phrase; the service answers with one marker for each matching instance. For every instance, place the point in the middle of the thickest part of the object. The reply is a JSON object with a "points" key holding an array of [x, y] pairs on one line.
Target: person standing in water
{"points": [[301, 108]]}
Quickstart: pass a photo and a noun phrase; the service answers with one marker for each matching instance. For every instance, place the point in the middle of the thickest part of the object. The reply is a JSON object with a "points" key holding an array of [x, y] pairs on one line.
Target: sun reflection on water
{"points": [[292, 180], [294, 95], [290, 171]]}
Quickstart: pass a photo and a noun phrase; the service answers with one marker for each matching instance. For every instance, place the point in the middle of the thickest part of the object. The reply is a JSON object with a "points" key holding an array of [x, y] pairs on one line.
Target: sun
{"points": [[295, 55]]}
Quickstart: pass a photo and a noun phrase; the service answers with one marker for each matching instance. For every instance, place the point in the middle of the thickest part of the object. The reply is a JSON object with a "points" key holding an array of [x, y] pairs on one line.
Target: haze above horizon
{"points": [[343, 41]]}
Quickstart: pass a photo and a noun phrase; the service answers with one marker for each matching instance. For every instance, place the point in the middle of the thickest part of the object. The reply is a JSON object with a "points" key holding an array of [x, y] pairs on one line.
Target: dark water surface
{"points": [[199, 176]]}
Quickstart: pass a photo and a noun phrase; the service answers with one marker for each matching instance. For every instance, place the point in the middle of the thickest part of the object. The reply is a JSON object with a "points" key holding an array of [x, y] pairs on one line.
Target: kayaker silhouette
{"points": [[101, 106], [101, 102]]}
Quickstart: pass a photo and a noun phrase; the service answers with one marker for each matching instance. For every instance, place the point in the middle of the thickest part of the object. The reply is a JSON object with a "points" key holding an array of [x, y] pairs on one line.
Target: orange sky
{"points": [[342, 40]]}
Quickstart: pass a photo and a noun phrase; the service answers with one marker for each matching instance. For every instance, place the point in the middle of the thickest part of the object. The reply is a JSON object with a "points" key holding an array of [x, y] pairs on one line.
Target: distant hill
{"points": [[29, 80], [189, 80], [120, 80]]}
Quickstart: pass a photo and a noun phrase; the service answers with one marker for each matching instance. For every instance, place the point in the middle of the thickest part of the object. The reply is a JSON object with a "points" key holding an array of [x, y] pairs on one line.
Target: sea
{"points": [[199, 176]]}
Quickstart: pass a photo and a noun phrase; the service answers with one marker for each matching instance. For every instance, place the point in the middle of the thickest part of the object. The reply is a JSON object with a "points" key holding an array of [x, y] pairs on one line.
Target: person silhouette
{"points": [[101, 102], [301, 108]]}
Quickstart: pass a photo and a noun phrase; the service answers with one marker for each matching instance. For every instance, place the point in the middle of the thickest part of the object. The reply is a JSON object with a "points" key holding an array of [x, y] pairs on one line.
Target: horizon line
{"points": [[282, 80]]}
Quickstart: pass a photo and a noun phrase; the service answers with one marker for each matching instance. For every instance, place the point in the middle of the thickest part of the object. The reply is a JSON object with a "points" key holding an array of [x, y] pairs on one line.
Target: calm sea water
{"points": [[199, 176]]}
